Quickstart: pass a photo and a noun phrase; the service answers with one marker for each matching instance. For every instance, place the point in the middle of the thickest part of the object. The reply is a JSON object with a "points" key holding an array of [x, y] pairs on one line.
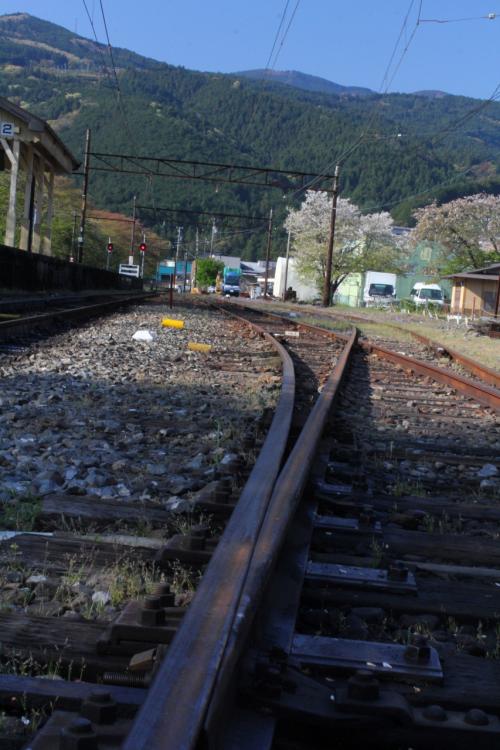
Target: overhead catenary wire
{"points": [[488, 17], [117, 82], [99, 45], [437, 136], [270, 65], [387, 80]]}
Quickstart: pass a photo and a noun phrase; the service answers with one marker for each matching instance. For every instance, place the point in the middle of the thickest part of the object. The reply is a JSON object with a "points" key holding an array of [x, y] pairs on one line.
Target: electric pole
{"points": [[177, 248], [286, 265], [143, 254], [268, 250], [328, 273], [86, 166], [132, 236]]}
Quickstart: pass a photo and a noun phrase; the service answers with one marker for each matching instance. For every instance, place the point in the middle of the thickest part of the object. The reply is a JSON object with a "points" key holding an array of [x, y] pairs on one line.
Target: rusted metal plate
{"points": [[347, 525], [127, 634], [380, 658], [332, 488], [365, 578], [68, 695]]}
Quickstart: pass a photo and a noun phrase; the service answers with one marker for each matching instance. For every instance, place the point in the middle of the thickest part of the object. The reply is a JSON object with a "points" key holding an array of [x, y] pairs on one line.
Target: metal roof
{"points": [[478, 273], [37, 125]]}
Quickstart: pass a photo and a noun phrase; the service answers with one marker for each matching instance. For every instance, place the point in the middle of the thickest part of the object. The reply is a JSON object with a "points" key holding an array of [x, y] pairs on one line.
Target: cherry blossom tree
{"points": [[467, 230], [363, 242]]}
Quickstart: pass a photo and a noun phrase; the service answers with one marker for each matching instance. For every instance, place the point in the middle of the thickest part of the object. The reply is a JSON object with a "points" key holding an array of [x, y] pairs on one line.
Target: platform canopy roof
{"points": [[32, 129]]}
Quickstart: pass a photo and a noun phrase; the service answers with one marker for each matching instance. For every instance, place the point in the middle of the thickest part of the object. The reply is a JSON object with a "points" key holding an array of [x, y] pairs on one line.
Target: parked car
{"points": [[425, 294]]}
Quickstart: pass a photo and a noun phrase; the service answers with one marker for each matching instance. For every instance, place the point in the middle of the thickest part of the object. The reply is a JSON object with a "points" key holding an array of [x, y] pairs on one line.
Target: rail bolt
{"points": [[79, 735], [363, 686], [99, 707], [163, 592], [476, 717], [151, 612], [418, 651], [434, 713], [397, 572]]}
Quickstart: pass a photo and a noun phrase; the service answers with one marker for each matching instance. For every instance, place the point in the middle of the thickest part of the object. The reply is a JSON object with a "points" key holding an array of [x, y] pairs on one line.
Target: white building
{"points": [[306, 292]]}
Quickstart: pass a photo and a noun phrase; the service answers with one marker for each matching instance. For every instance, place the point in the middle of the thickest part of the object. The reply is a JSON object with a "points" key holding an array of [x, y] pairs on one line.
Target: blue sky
{"points": [[347, 42]]}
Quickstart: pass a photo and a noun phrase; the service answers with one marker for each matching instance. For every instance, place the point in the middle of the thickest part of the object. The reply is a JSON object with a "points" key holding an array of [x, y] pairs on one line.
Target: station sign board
{"points": [[128, 269]]}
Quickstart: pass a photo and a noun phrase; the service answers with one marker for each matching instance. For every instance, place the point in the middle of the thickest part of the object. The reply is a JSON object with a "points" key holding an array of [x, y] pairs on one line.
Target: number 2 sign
{"points": [[6, 129]]}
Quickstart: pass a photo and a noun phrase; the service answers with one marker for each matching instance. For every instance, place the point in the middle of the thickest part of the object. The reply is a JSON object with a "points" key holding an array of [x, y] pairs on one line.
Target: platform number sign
{"points": [[6, 129]]}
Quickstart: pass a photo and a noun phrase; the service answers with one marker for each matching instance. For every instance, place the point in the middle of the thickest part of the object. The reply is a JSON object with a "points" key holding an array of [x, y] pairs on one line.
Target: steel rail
{"points": [[28, 322], [478, 391], [282, 508], [475, 368], [173, 713], [489, 396]]}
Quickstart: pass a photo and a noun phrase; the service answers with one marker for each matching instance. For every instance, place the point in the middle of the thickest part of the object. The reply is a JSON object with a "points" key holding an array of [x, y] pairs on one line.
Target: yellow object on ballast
{"points": [[171, 323], [199, 347]]}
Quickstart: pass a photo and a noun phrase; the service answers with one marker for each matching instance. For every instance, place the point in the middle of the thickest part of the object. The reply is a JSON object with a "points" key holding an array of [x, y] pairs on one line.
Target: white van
{"points": [[379, 288], [425, 294]]}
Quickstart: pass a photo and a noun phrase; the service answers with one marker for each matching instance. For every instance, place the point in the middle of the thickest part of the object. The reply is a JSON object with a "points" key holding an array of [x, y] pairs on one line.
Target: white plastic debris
{"points": [[143, 336]]}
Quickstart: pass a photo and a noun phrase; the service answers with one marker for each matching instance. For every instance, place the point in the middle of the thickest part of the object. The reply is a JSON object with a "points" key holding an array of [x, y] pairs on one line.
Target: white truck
{"points": [[379, 288], [427, 294]]}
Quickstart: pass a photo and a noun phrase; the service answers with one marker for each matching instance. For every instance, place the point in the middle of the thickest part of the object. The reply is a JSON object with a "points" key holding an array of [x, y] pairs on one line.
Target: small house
{"points": [[476, 291]]}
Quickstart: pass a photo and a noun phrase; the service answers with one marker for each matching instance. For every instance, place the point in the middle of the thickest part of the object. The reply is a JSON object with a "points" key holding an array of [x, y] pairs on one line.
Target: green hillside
{"points": [[172, 112]]}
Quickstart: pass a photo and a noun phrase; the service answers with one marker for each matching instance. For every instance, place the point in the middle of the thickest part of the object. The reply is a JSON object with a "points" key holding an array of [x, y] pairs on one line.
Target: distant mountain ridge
{"points": [[308, 82], [304, 81], [407, 151]]}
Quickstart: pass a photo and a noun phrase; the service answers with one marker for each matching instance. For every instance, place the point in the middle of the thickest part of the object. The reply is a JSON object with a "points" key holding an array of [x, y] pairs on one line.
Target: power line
{"points": [[488, 17], [270, 66], [283, 38], [431, 189], [282, 20], [99, 46], [376, 109], [120, 98]]}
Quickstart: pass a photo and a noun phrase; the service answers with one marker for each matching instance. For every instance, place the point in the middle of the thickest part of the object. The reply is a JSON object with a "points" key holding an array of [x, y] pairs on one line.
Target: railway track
{"points": [[409, 343], [356, 578], [22, 321]]}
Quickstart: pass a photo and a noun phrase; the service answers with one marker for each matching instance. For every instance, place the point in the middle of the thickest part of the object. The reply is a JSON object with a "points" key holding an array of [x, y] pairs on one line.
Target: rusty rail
{"points": [[173, 714], [486, 374], [282, 507], [482, 393], [27, 323], [489, 396]]}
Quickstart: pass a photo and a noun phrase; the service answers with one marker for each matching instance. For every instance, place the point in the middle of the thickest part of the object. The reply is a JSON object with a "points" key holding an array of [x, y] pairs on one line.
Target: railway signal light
{"points": [[110, 247], [143, 247]]}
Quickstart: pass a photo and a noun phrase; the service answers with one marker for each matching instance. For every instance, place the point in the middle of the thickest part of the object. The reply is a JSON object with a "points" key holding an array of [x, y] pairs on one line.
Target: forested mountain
{"points": [[409, 148], [304, 81]]}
